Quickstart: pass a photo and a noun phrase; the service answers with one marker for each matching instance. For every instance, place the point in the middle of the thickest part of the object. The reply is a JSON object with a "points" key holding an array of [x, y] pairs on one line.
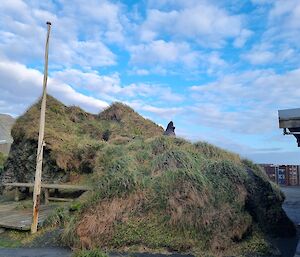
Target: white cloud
{"points": [[162, 52], [140, 72], [204, 23], [79, 32], [21, 86], [92, 80], [260, 56], [213, 63], [246, 102], [240, 41], [288, 12], [161, 57], [163, 112], [103, 17], [109, 86], [166, 112], [91, 54], [147, 90], [283, 24], [268, 54]]}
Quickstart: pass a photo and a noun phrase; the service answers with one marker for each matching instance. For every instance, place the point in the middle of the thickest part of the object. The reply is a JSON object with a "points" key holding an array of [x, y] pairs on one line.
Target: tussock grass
{"points": [[168, 193], [149, 190], [58, 217]]}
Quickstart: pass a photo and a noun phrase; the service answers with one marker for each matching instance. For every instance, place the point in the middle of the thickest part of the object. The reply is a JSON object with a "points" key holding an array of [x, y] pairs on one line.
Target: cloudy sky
{"points": [[220, 69]]}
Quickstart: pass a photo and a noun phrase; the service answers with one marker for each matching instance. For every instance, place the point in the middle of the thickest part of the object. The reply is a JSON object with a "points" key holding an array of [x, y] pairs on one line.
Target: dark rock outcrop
{"points": [[21, 163], [170, 131], [265, 206]]}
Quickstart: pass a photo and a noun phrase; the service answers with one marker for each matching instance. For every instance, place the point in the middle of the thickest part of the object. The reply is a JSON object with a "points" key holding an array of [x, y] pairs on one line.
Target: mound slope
{"points": [[72, 138], [150, 191], [168, 193]]}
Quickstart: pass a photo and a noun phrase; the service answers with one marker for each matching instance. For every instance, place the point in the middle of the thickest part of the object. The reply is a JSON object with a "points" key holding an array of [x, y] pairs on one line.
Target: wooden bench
{"points": [[46, 188]]}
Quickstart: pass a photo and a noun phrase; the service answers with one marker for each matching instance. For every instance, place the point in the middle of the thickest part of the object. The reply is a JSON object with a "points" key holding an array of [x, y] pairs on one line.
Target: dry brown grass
{"points": [[96, 226], [184, 203]]}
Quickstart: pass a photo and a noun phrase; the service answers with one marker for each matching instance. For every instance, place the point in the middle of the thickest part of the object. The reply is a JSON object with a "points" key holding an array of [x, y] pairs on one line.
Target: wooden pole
{"points": [[39, 158]]}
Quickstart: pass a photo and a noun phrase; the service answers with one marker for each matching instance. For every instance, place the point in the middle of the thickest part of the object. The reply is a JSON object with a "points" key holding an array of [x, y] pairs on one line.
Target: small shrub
{"points": [[75, 206], [58, 217]]}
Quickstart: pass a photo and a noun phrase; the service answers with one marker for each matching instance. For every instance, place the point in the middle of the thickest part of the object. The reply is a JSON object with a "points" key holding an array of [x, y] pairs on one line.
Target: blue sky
{"points": [[219, 69]]}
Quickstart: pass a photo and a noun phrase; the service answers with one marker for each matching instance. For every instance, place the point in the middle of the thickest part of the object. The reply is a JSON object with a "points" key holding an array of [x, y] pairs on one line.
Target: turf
{"points": [[151, 191]]}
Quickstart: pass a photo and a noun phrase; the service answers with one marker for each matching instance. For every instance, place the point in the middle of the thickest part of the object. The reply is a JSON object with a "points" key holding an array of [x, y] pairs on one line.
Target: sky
{"points": [[220, 70]]}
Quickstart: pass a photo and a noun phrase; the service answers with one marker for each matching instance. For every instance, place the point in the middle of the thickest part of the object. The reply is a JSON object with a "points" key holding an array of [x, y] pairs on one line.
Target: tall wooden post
{"points": [[39, 158]]}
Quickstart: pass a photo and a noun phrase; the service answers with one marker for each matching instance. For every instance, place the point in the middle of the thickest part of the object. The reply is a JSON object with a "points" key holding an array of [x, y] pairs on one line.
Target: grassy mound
{"points": [[72, 138], [166, 193], [150, 191]]}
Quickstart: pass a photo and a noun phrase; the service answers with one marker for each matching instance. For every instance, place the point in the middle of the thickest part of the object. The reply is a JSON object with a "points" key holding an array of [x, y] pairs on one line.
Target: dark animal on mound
{"points": [[170, 131]]}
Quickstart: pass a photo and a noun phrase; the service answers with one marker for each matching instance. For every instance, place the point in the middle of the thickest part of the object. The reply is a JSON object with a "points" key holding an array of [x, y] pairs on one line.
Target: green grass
{"points": [[13, 239], [148, 190], [58, 217], [155, 234], [8, 242], [257, 243], [177, 196]]}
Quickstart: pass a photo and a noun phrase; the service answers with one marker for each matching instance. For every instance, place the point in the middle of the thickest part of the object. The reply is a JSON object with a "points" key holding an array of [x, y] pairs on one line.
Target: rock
{"points": [[264, 205], [21, 162], [170, 131]]}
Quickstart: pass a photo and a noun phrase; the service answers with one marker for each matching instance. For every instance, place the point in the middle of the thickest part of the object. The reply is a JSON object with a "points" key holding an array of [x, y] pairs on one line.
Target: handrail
{"points": [[50, 186]]}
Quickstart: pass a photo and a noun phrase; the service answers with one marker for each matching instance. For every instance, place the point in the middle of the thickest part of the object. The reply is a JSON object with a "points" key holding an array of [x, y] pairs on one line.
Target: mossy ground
{"points": [[11, 239], [15, 238]]}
